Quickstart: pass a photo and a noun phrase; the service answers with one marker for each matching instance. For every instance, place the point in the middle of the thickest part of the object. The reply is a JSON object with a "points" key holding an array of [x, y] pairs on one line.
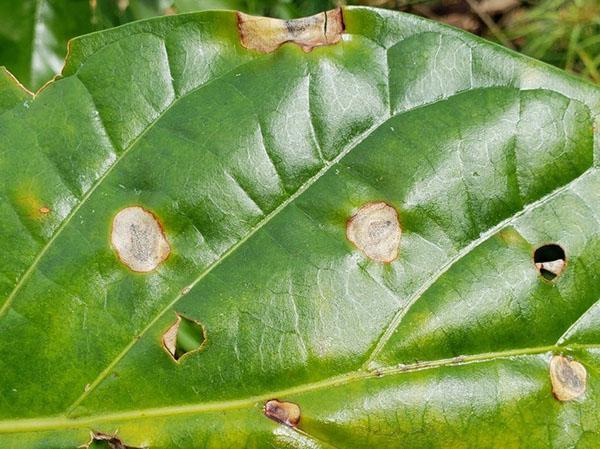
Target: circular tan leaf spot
{"points": [[286, 413], [375, 230], [138, 238], [568, 377]]}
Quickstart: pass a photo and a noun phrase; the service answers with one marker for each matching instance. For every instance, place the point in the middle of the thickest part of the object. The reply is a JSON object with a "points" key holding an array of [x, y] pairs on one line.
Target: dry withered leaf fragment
{"points": [[265, 34], [110, 441]]}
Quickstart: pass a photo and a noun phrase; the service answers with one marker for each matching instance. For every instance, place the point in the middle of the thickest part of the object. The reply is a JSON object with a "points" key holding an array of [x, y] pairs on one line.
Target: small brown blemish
{"points": [[550, 260], [375, 230], [286, 413], [184, 337], [265, 34], [104, 440], [138, 238], [568, 377], [29, 202]]}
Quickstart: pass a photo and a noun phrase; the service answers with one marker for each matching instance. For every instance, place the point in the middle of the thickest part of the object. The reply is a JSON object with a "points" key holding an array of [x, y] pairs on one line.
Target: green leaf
{"points": [[34, 33], [171, 172]]}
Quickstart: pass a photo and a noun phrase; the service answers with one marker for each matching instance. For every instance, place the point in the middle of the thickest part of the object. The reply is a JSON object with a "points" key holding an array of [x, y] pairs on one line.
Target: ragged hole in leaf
{"points": [[286, 413], [568, 377], [138, 238], [375, 230], [184, 337], [550, 260], [101, 440]]}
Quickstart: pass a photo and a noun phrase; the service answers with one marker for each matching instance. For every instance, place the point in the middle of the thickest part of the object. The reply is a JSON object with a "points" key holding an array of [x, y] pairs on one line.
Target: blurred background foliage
{"points": [[565, 33]]}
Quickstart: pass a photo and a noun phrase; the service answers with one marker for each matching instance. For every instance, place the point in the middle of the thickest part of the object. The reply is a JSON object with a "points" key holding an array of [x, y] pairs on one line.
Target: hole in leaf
{"points": [[550, 260], [286, 413], [184, 337], [105, 441]]}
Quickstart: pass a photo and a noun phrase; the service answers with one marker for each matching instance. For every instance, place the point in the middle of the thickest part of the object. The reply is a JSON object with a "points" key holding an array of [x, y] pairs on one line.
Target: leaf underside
{"points": [[252, 164]]}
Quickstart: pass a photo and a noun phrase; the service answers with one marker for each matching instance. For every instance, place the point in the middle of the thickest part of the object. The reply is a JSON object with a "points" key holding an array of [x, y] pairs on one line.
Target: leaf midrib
{"points": [[389, 329], [309, 182], [62, 422]]}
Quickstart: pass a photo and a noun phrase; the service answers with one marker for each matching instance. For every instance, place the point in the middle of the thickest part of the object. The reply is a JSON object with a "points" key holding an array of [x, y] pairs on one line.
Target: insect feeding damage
{"points": [[375, 230], [138, 238], [265, 34], [568, 377], [286, 413]]}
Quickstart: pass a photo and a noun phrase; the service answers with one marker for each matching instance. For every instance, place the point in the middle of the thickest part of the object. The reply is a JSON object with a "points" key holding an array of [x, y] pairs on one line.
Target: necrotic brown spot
{"points": [[101, 440], [266, 35], [375, 230], [568, 377], [185, 336], [286, 413], [138, 239], [550, 260]]}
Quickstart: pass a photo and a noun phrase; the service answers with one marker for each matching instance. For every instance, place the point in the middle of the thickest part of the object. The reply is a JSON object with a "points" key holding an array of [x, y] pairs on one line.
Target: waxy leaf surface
{"points": [[233, 175]]}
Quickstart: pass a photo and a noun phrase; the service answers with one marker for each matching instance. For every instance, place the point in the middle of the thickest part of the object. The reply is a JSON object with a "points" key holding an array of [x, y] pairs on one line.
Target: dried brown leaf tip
{"points": [[568, 377], [286, 413], [138, 238], [185, 336], [265, 34], [101, 440], [375, 230]]}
